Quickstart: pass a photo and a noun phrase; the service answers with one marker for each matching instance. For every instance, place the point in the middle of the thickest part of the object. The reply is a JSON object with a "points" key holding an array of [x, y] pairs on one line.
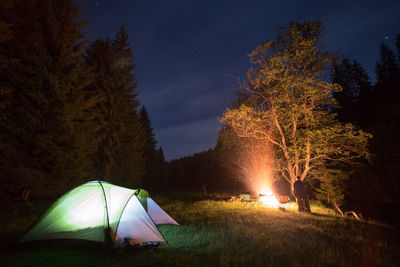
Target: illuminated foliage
{"points": [[289, 105]]}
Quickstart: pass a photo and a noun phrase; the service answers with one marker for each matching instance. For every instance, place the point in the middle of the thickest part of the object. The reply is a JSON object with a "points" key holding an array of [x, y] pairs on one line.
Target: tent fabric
{"points": [[102, 212], [78, 214], [144, 231], [158, 215]]}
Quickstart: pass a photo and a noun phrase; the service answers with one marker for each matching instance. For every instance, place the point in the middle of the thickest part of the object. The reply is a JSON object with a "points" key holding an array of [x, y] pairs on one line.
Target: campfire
{"points": [[268, 198]]}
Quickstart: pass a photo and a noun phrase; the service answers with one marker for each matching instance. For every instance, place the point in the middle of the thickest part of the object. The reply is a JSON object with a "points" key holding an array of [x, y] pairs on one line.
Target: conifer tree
{"points": [[131, 151], [376, 111], [5, 90], [100, 57], [5, 59], [119, 132], [387, 69], [356, 89], [398, 47], [386, 95], [148, 135], [384, 123], [150, 151], [48, 118], [161, 174]]}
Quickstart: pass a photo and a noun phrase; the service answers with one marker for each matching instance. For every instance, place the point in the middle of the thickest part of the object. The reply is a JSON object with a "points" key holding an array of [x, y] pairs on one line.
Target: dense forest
{"points": [[69, 109], [70, 112]]}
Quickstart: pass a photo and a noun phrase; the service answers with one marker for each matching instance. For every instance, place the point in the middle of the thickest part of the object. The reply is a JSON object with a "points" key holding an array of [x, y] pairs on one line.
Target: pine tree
{"points": [[387, 69], [356, 89], [5, 59], [47, 126], [160, 154], [384, 123], [386, 95], [148, 135], [5, 90], [105, 158], [118, 130], [131, 152], [150, 151], [398, 47], [67, 81], [161, 173], [375, 111]]}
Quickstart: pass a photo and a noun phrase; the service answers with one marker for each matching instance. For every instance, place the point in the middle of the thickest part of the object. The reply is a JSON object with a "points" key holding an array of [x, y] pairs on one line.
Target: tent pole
{"points": [[107, 230], [119, 219]]}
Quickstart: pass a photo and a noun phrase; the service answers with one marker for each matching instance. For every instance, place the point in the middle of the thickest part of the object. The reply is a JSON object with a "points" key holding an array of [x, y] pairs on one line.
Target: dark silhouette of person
{"points": [[300, 193]]}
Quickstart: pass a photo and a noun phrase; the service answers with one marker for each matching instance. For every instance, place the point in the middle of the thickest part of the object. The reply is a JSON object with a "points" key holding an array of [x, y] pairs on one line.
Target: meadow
{"points": [[219, 233]]}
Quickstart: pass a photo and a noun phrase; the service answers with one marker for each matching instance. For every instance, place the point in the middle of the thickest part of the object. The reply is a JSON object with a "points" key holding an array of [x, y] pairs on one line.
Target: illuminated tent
{"points": [[102, 212]]}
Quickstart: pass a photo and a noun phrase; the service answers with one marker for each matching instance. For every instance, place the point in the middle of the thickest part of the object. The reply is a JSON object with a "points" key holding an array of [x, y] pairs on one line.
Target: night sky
{"points": [[191, 55]]}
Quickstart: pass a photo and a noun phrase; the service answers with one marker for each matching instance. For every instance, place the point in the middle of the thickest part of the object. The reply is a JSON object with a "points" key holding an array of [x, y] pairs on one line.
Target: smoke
{"points": [[249, 160], [257, 165]]}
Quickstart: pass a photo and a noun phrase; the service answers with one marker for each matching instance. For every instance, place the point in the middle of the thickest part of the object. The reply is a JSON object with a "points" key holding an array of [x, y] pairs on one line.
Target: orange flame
{"points": [[268, 198]]}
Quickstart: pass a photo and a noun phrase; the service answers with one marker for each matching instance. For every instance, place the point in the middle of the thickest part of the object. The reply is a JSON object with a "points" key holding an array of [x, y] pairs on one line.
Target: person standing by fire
{"points": [[300, 193]]}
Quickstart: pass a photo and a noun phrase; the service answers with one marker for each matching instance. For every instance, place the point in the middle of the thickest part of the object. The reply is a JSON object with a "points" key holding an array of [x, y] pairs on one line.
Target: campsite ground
{"points": [[216, 233]]}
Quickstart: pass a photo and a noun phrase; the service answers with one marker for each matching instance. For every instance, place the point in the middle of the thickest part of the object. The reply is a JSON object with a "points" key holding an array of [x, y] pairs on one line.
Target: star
{"points": [[387, 37], [139, 5], [195, 51]]}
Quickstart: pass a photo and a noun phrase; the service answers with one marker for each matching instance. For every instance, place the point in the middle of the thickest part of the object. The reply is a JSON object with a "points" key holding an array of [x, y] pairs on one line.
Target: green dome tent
{"points": [[102, 212]]}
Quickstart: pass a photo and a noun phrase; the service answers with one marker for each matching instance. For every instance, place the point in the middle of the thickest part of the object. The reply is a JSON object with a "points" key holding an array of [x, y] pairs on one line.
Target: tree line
{"points": [[69, 108]]}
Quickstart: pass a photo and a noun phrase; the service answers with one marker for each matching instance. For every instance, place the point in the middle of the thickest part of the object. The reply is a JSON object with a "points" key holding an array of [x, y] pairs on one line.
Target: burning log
{"points": [[268, 198], [283, 199]]}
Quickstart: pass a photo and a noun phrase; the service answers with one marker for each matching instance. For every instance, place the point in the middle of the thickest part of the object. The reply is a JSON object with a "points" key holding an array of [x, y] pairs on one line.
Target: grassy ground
{"points": [[215, 233]]}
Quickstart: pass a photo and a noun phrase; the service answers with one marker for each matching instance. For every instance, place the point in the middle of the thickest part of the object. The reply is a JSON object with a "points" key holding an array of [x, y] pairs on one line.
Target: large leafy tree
{"points": [[289, 105]]}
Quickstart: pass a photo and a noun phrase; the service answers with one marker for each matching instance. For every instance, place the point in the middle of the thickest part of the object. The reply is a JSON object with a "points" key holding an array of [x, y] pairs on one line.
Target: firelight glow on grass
{"points": [[217, 233]]}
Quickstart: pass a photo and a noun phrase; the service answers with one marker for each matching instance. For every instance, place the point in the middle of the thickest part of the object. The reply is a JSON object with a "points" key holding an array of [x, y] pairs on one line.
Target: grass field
{"points": [[216, 233]]}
